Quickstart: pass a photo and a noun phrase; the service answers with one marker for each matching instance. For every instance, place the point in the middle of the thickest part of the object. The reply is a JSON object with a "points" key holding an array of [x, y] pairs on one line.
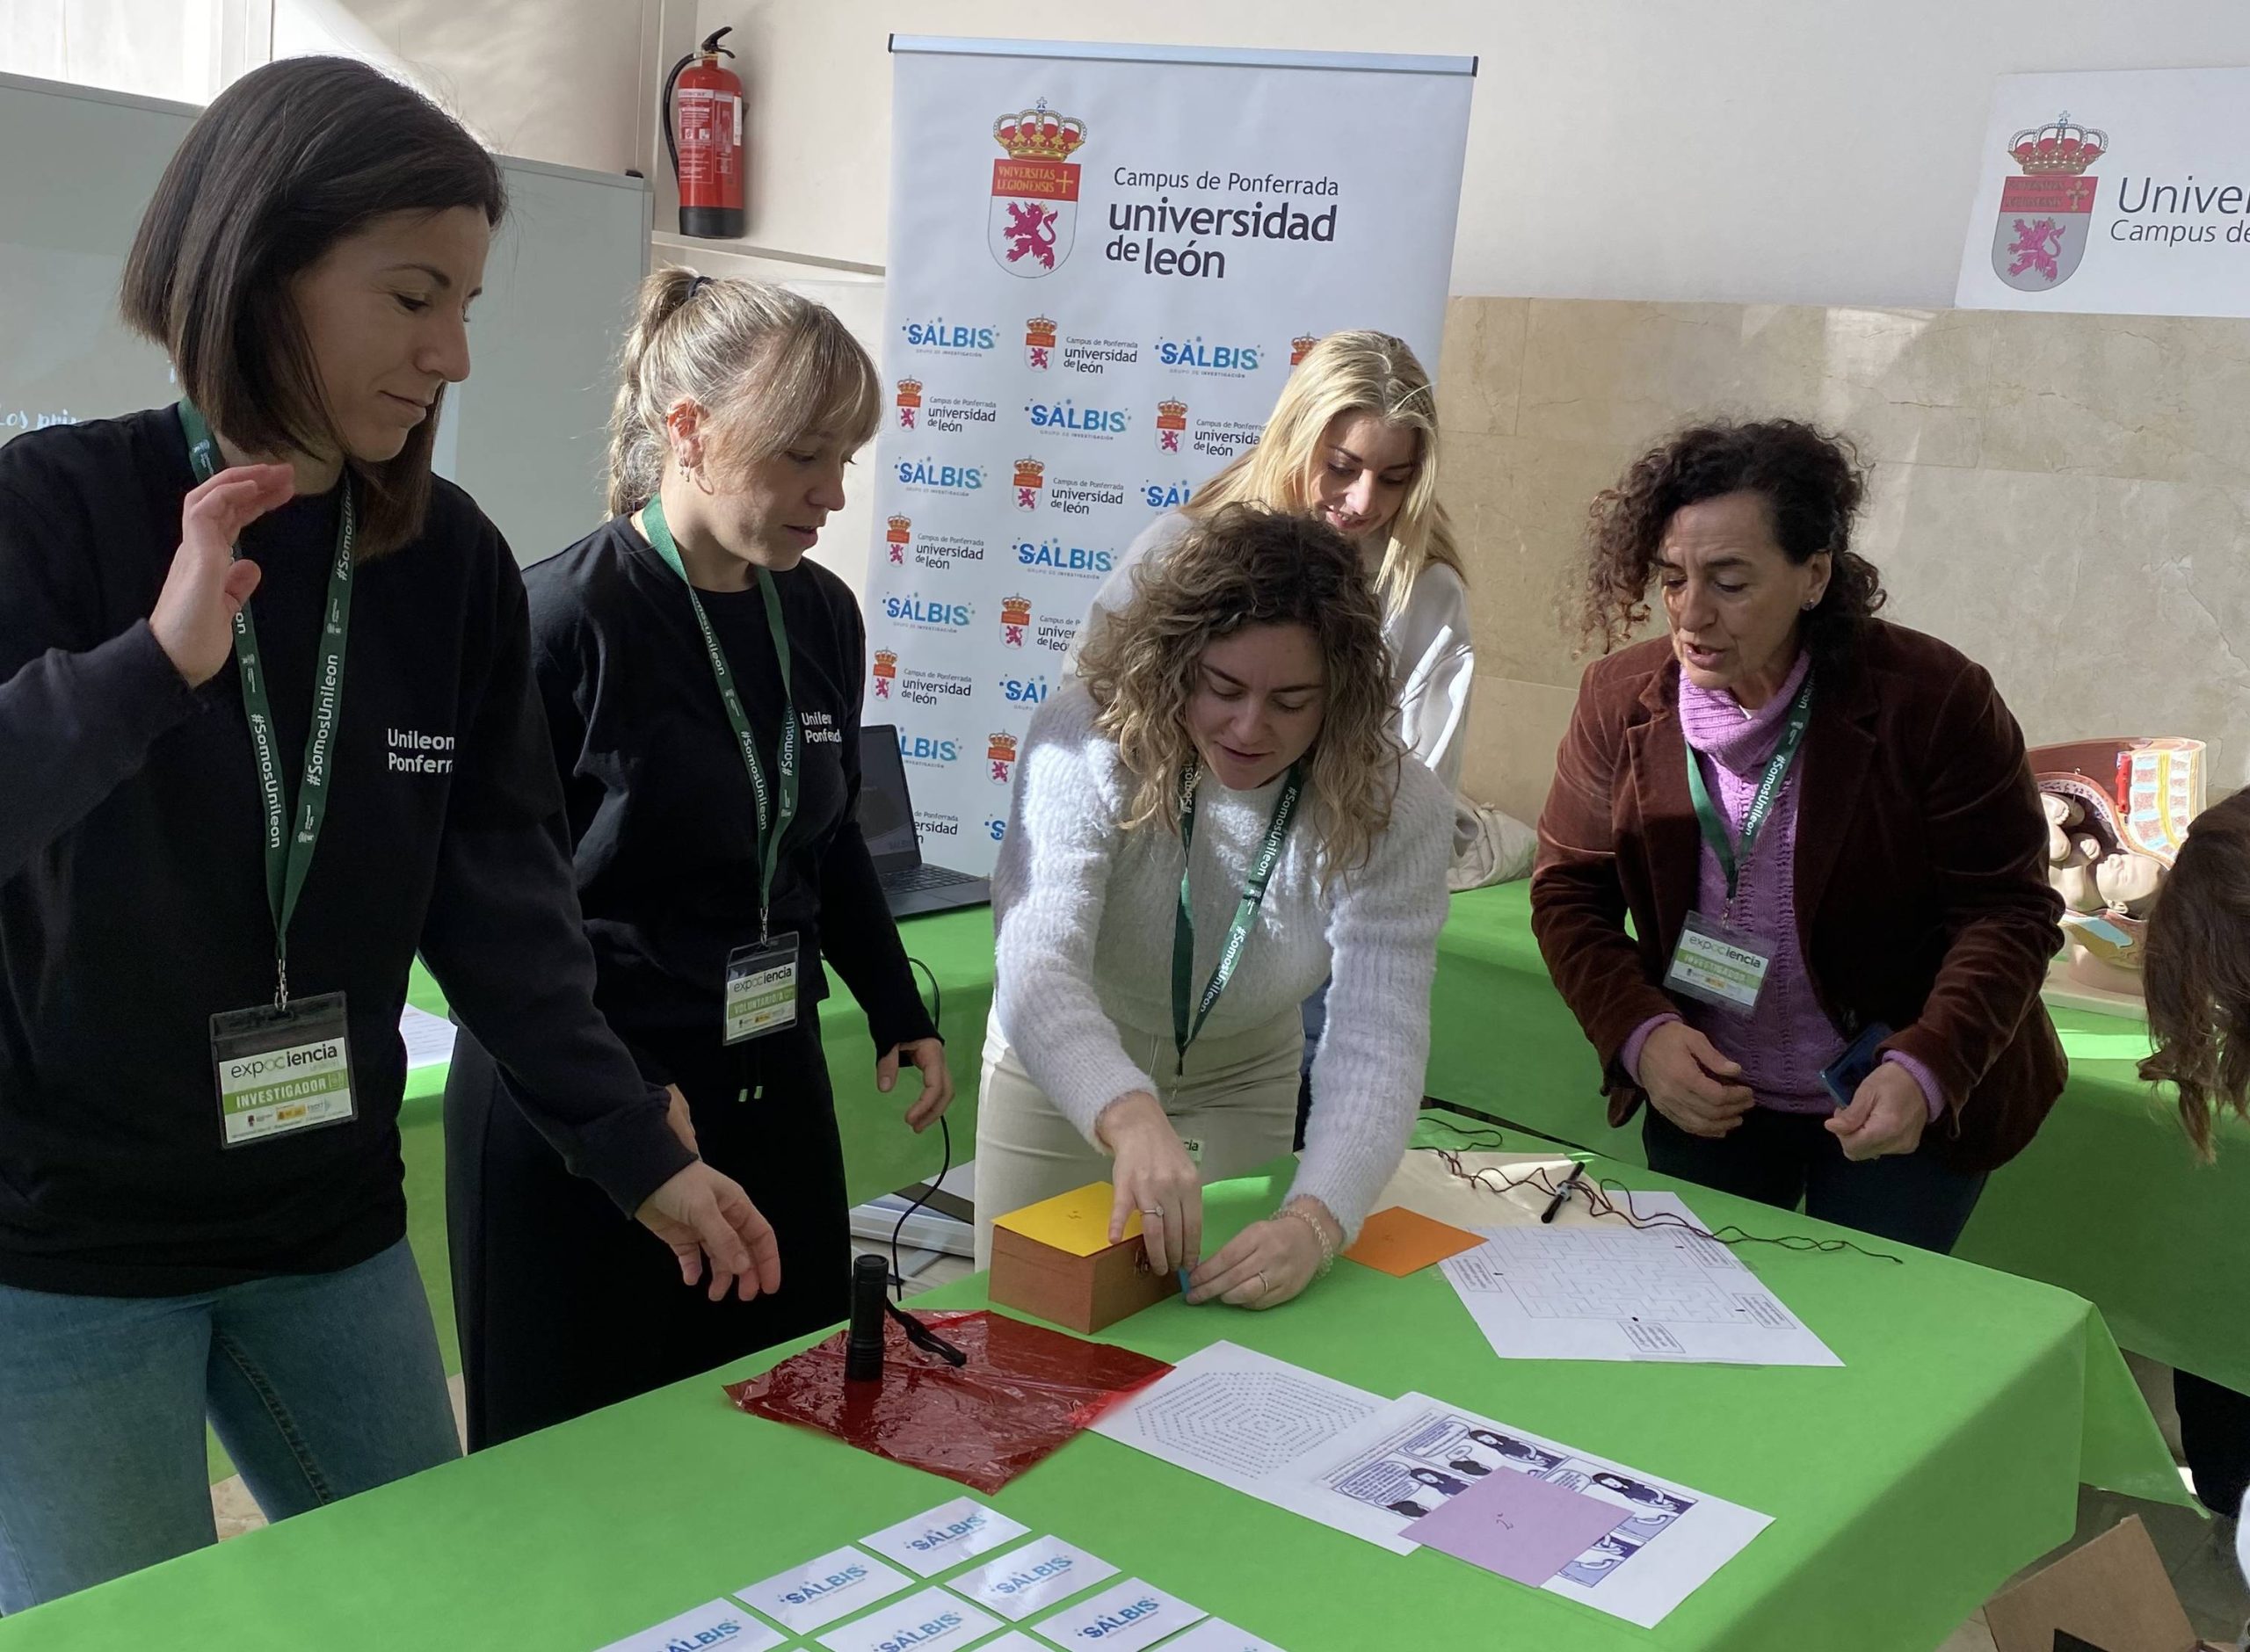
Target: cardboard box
{"points": [[1054, 1259], [2110, 1594]]}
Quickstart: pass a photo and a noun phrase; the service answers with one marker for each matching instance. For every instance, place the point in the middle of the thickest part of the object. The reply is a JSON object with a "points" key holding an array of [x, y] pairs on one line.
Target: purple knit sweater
{"points": [[1787, 1039]]}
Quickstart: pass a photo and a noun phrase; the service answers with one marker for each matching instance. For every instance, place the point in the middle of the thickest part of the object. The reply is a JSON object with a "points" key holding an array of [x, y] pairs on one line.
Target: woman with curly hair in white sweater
{"points": [[1215, 817]]}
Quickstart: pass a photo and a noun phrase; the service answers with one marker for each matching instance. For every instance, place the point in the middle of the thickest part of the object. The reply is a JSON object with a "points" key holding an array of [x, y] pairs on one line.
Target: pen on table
{"points": [[1578, 1170]]}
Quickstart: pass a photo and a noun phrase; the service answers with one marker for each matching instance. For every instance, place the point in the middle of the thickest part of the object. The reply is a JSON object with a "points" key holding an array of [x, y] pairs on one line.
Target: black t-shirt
{"points": [[133, 902], [662, 819]]}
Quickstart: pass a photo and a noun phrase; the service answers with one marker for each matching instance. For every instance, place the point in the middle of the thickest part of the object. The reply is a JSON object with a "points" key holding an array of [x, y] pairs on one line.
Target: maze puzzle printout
{"points": [[1258, 1425], [1611, 1292]]}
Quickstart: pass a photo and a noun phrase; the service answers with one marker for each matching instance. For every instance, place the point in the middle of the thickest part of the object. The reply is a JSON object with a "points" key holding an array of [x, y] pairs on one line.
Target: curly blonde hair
{"points": [[1240, 565]]}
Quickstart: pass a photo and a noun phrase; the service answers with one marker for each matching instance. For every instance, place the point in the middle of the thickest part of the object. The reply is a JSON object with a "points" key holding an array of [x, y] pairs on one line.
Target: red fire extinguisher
{"points": [[705, 139]]}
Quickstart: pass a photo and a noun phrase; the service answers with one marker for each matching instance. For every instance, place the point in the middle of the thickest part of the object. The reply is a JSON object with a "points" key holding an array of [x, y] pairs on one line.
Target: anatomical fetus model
{"points": [[2116, 810]]}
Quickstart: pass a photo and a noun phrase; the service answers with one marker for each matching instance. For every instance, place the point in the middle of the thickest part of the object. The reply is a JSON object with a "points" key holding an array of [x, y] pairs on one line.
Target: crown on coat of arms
{"points": [[2061, 148], [1040, 134]]}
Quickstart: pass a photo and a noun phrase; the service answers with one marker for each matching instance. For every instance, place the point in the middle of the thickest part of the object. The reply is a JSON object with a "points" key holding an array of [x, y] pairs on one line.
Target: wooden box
{"points": [[1053, 1260]]}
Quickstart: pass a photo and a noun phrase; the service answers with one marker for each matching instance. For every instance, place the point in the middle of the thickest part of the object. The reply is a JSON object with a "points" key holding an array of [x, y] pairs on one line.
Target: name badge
{"points": [[761, 989], [280, 1071], [1719, 966]]}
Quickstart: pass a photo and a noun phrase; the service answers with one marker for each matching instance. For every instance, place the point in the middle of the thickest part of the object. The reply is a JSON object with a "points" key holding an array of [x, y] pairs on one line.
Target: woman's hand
{"points": [[928, 1054], [700, 1214], [1686, 1079], [1887, 1115], [194, 616], [1153, 1175], [1269, 1262]]}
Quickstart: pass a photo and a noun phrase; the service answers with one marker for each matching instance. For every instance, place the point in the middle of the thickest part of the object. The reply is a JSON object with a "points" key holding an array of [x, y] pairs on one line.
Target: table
{"points": [[1904, 1487], [2108, 1201]]}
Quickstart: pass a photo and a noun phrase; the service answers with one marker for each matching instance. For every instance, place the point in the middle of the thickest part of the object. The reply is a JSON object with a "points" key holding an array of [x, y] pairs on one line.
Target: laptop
{"points": [[911, 884]]}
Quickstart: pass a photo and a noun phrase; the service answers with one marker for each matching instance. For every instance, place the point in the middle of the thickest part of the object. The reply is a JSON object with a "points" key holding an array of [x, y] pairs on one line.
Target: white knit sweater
{"points": [[1084, 913]]}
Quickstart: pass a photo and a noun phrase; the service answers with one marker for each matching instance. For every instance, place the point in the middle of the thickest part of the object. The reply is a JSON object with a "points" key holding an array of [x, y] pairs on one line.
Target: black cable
{"points": [[1475, 1136], [1598, 1201], [944, 1132]]}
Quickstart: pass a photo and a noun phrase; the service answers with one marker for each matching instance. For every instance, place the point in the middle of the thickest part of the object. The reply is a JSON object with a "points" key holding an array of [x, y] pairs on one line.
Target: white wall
{"points": [[1796, 151], [548, 80]]}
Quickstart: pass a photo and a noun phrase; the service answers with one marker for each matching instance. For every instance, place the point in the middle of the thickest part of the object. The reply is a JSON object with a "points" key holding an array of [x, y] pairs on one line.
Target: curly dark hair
{"points": [[1244, 565], [1813, 483], [2195, 971]]}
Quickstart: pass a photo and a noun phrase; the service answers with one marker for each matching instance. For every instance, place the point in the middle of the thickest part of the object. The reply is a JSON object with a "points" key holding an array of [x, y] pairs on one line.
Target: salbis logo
{"points": [[1000, 752], [922, 748], [1030, 475], [1024, 690], [2047, 212], [914, 610], [1166, 496], [909, 399], [1172, 424], [1033, 219], [1015, 619], [1079, 420], [886, 672], [1039, 343], [954, 337], [1055, 557], [898, 534], [996, 828], [1208, 358]]}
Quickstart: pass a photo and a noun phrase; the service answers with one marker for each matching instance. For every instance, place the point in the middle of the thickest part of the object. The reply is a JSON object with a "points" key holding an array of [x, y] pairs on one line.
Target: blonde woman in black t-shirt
{"points": [[740, 407]]}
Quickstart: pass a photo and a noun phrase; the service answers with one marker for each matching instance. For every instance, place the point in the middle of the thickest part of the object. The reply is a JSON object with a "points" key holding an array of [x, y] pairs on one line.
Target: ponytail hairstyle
{"points": [[768, 368], [2195, 971]]}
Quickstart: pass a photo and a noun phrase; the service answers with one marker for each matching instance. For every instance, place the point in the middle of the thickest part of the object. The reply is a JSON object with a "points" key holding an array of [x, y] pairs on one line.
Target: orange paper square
{"points": [[1399, 1241]]}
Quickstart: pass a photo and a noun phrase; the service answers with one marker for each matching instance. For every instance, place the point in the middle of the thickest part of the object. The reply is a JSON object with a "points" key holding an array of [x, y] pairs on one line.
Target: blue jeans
{"points": [[319, 1385]]}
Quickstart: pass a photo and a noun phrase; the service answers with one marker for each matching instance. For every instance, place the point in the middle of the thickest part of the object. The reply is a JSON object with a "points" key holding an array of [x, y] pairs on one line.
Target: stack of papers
{"points": [[1376, 1467]]}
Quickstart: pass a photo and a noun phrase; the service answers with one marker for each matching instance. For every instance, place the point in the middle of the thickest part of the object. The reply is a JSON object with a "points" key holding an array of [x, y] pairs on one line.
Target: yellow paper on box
{"points": [[1076, 1223]]}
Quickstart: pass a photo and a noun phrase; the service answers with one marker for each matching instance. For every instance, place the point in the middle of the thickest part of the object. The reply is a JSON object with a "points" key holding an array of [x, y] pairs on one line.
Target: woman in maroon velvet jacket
{"points": [[1843, 1009]]}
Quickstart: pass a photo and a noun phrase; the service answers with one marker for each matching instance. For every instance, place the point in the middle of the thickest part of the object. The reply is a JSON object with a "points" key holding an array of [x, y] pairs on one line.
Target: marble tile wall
{"points": [[2066, 498]]}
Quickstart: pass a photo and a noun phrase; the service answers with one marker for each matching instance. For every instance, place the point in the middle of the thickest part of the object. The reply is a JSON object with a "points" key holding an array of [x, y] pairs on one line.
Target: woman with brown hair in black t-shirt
{"points": [[702, 683]]}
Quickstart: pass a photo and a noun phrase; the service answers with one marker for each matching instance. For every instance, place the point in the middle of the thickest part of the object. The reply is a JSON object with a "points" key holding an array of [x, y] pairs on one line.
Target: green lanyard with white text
{"points": [[1732, 859], [774, 814], [288, 854], [1253, 895]]}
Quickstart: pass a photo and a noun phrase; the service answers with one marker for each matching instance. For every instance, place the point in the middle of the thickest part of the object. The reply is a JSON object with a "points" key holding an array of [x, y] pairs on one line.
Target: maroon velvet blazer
{"points": [[1921, 895]]}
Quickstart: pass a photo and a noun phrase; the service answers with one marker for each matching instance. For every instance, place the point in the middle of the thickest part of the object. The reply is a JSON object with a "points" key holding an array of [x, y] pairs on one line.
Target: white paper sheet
{"points": [[722, 1621], [817, 1593], [429, 1037], [1216, 1635], [1611, 1292], [1030, 1579], [933, 1622], [1246, 1420], [941, 1538], [1419, 1451], [1125, 1618]]}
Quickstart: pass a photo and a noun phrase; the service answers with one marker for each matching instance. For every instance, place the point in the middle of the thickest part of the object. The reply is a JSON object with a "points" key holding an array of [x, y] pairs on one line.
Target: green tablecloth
{"points": [[1905, 1487], [2108, 1201]]}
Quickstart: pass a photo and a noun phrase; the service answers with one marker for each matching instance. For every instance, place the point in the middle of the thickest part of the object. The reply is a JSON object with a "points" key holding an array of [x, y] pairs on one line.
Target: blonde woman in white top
{"points": [[1354, 442], [1234, 715]]}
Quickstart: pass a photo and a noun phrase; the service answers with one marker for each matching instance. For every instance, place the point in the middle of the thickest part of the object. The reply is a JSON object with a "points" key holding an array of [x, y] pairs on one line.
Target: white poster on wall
{"points": [[1103, 262], [2119, 192]]}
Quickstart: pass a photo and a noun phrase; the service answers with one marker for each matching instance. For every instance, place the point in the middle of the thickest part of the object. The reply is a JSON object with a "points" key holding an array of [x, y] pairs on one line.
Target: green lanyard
{"points": [[288, 855], [1731, 859], [1253, 895], [774, 817]]}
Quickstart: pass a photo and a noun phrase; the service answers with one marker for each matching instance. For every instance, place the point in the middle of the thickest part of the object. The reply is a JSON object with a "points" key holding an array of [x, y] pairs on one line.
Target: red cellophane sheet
{"points": [[1025, 1391]]}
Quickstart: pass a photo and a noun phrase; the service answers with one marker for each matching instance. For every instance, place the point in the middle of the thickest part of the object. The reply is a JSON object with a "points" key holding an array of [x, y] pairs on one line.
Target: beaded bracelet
{"points": [[1319, 1234]]}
